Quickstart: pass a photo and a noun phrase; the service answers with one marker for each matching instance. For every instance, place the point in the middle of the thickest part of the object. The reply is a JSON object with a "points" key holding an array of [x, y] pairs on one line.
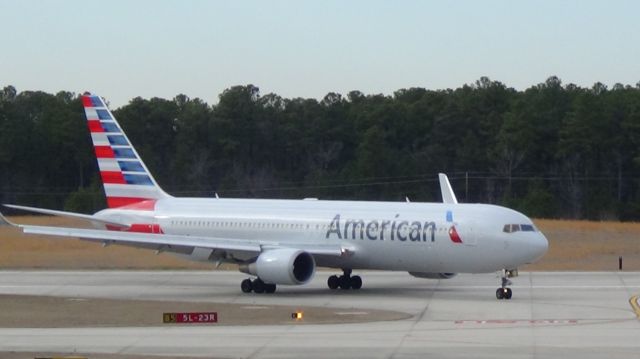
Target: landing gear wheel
{"points": [[333, 282], [270, 288], [503, 292], [246, 286], [258, 286], [345, 282], [356, 282], [508, 293]]}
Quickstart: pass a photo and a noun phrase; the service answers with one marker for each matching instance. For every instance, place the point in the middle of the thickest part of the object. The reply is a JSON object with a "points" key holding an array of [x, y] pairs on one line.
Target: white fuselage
{"points": [[403, 236]]}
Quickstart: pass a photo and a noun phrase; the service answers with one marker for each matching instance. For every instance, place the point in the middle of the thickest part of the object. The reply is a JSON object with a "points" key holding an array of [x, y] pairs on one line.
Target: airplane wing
{"points": [[229, 244], [52, 212]]}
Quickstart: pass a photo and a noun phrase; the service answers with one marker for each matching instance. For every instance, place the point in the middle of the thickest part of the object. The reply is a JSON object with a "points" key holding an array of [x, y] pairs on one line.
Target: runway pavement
{"points": [[570, 315]]}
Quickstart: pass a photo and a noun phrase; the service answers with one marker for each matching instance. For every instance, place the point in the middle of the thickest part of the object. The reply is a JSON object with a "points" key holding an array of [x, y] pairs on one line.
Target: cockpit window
{"points": [[510, 228], [527, 228]]}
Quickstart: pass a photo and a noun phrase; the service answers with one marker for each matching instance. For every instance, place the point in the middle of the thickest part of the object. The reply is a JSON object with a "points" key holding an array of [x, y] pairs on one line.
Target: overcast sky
{"points": [[123, 49]]}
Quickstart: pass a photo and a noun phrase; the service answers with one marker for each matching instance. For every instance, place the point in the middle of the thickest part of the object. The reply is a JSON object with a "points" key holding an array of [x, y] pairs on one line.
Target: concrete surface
{"points": [[32, 311], [571, 315]]}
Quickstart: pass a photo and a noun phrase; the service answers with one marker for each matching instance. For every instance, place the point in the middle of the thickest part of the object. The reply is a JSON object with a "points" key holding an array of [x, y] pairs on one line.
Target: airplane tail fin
{"points": [[126, 179]]}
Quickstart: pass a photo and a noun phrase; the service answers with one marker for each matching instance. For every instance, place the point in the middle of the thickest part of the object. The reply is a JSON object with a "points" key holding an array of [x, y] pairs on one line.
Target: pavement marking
{"points": [[635, 305], [518, 321], [352, 313]]}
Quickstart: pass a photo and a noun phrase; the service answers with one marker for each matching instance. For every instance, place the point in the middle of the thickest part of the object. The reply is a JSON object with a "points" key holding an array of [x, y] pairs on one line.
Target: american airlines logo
{"points": [[396, 229], [454, 236]]}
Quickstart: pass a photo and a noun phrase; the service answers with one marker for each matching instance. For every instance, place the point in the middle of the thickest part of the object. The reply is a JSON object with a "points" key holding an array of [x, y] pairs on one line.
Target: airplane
{"points": [[282, 241]]}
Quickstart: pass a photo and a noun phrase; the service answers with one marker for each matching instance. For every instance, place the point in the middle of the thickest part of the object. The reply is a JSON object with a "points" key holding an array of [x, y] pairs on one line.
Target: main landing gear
{"points": [[503, 292], [257, 286], [345, 281]]}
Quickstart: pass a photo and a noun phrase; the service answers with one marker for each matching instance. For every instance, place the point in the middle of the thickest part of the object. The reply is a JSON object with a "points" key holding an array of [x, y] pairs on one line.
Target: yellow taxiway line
{"points": [[634, 305]]}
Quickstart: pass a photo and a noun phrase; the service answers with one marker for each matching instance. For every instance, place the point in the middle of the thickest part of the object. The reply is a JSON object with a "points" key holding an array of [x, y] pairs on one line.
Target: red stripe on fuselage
{"points": [[138, 228], [145, 205], [104, 152], [95, 126], [112, 177], [145, 228], [118, 202]]}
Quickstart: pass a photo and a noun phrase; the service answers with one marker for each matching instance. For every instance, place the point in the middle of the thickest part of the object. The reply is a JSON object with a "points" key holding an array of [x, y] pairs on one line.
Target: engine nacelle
{"points": [[433, 275], [282, 266]]}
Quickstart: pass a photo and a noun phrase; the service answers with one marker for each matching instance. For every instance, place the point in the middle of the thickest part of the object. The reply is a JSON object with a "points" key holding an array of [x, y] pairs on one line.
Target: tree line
{"points": [[551, 150]]}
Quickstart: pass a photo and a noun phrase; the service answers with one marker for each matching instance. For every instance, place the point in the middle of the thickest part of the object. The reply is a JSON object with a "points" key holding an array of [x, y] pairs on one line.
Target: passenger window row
{"points": [[224, 224]]}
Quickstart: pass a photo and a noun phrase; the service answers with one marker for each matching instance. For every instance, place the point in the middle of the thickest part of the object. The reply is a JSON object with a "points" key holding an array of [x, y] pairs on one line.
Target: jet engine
{"points": [[282, 266], [433, 275]]}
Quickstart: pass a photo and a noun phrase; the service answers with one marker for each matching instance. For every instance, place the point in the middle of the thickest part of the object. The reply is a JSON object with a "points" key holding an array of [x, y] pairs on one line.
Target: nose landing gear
{"points": [[345, 281], [503, 292]]}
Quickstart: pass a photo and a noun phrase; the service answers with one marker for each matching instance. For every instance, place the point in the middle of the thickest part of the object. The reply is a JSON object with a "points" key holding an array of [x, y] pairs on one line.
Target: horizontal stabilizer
{"points": [[52, 212], [445, 187]]}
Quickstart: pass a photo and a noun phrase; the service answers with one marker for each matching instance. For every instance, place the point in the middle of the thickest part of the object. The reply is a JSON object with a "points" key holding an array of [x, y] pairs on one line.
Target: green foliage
{"points": [[552, 150], [538, 202], [86, 200]]}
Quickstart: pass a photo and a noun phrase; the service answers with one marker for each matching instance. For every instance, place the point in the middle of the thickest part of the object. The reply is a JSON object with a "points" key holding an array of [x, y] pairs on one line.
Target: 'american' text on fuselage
{"points": [[395, 229]]}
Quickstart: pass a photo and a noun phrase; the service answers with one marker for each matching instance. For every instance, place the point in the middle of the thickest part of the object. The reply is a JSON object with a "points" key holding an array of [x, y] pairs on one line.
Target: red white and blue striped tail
{"points": [[127, 181]]}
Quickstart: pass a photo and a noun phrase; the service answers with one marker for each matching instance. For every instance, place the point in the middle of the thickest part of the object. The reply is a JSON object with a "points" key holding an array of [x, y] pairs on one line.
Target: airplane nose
{"points": [[539, 246]]}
